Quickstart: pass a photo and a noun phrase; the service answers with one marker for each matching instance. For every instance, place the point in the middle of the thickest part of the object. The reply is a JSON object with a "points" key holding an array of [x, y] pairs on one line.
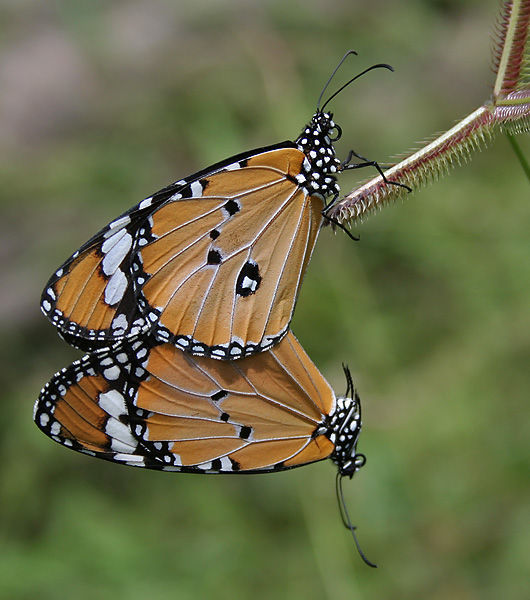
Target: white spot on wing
{"points": [[233, 167], [121, 222], [115, 288], [145, 203], [113, 237], [113, 403], [120, 322], [122, 438], [116, 254], [111, 373], [196, 189], [249, 283]]}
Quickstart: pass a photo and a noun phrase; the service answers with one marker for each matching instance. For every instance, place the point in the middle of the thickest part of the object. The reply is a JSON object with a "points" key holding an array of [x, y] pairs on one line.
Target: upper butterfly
{"points": [[212, 263]]}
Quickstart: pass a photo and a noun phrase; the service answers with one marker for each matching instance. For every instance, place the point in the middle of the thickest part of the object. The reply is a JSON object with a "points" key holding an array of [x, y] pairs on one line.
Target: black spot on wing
{"points": [[232, 207], [245, 432], [214, 257], [248, 280], [219, 395], [214, 234]]}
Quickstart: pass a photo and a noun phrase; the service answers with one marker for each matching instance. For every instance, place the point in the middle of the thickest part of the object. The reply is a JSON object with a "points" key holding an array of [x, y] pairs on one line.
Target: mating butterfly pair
{"points": [[209, 267]]}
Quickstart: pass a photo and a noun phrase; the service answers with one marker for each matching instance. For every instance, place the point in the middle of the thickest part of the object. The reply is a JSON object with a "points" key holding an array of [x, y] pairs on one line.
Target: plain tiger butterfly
{"points": [[212, 263], [147, 404]]}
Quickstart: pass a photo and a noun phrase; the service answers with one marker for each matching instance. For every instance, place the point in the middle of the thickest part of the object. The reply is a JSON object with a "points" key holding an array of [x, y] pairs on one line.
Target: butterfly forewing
{"points": [[152, 405], [91, 298], [212, 263], [223, 281]]}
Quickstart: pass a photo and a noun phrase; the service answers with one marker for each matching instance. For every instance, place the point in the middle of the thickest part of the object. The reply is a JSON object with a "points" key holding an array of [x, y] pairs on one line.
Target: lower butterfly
{"points": [[147, 404], [151, 405]]}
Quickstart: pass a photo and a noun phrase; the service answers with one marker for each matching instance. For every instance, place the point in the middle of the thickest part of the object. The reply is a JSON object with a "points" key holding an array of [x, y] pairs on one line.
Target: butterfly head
{"points": [[346, 427], [321, 164]]}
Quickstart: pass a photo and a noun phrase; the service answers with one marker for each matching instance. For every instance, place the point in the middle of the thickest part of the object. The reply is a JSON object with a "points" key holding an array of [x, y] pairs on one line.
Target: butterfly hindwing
{"points": [[151, 405]]}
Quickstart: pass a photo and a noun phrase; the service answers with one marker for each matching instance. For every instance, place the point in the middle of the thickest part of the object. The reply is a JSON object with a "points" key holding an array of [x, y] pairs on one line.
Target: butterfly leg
{"points": [[347, 166], [334, 221]]}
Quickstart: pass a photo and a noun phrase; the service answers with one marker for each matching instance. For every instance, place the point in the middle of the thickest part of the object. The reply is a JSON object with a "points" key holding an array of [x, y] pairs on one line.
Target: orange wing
{"points": [[212, 263], [91, 298], [157, 407], [222, 269]]}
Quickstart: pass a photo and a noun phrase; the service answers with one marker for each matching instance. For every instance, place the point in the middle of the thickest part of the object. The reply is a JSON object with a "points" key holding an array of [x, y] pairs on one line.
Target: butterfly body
{"points": [[148, 404], [212, 263]]}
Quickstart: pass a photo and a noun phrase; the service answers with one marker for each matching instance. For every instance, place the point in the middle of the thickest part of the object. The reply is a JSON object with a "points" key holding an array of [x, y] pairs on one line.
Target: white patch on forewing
{"points": [[115, 288], [122, 439], [196, 189], [112, 240], [117, 252], [121, 222], [113, 403], [249, 283], [46, 305], [145, 203]]}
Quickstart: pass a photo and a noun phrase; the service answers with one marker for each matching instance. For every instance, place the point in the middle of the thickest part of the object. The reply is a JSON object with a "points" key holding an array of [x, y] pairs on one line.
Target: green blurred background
{"points": [[103, 103]]}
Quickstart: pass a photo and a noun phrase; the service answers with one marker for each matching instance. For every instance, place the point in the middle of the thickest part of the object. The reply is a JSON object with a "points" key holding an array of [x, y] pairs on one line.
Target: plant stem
{"points": [[519, 154]]}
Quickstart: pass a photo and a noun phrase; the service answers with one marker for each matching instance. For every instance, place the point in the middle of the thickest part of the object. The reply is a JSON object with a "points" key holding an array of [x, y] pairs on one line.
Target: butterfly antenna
{"points": [[378, 66], [349, 381], [333, 75], [346, 520]]}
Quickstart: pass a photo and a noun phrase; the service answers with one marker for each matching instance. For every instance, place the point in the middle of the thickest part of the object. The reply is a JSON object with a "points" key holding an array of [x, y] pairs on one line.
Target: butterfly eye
{"points": [[152, 405], [338, 133], [360, 461]]}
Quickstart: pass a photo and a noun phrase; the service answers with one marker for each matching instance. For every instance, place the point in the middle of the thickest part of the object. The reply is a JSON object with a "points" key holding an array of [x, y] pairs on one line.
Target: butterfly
{"points": [[148, 404], [212, 263]]}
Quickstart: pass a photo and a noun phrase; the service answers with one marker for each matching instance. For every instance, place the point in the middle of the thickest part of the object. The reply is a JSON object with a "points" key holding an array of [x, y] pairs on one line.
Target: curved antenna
{"points": [[333, 75], [346, 519], [349, 381], [378, 66]]}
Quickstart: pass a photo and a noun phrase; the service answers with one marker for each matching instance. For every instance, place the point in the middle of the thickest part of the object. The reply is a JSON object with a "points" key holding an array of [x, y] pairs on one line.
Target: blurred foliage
{"points": [[103, 103]]}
